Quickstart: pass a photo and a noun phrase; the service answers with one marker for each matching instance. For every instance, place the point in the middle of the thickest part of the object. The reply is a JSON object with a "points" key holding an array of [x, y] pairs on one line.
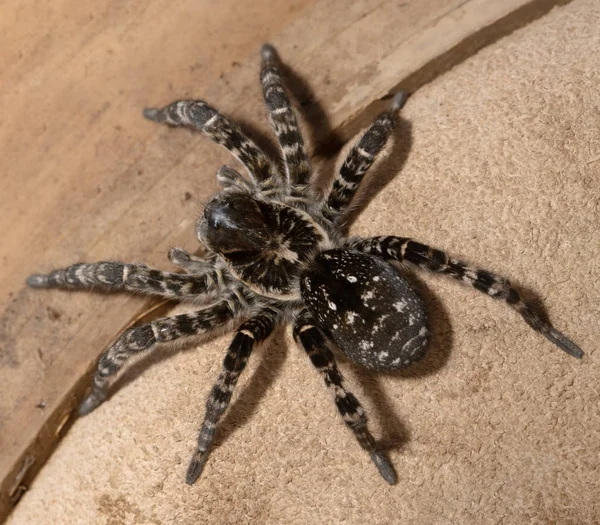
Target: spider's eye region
{"points": [[234, 223], [212, 220]]}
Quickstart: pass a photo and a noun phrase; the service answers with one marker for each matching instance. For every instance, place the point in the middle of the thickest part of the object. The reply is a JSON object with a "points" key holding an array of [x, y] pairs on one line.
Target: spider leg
{"points": [[198, 115], [404, 249], [117, 276], [317, 347], [145, 338], [250, 333], [360, 159], [283, 120]]}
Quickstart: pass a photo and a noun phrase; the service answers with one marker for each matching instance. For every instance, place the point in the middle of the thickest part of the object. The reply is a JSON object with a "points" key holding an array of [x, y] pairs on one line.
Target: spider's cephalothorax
{"points": [[265, 243], [276, 254]]}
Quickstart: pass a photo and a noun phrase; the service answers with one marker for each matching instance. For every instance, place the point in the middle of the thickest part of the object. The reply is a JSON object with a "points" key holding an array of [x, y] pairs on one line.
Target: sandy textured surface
{"points": [[502, 168]]}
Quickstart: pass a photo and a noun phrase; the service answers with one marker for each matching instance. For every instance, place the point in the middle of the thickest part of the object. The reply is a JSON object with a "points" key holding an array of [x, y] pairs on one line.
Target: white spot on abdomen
{"points": [[365, 345], [400, 306], [350, 316]]}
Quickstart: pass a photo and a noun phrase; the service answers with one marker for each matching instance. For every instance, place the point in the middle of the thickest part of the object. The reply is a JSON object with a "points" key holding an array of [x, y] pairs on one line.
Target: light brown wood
{"points": [[84, 177]]}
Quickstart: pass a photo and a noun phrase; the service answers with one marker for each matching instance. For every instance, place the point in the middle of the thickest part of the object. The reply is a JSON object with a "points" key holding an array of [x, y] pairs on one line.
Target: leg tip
{"points": [[89, 404], [564, 343], [196, 467], [268, 54], [153, 114], [398, 101], [386, 469], [37, 281]]}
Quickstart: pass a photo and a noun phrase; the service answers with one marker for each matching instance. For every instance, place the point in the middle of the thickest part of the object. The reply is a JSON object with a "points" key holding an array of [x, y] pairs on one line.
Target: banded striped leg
{"points": [[140, 339], [247, 337], [317, 347], [200, 116], [403, 249], [117, 276], [360, 159], [283, 119]]}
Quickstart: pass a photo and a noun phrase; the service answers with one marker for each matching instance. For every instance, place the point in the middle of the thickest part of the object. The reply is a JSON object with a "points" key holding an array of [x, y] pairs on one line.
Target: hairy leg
{"points": [[360, 159], [247, 337], [404, 249], [145, 338], [117, 276], [317, 347], [283, 119], [200, 116]]}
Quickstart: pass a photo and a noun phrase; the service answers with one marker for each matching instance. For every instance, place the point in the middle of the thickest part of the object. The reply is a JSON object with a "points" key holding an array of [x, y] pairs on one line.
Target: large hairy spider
{"points": [[277, 254]]}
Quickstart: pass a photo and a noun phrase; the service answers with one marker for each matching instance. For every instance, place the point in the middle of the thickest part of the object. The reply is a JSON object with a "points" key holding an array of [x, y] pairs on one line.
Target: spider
{"points": [[276, 254]]}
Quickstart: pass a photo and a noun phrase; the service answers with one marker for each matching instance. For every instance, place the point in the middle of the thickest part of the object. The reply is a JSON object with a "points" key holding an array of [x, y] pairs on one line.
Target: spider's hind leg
{"points": [[404, 249], [317, 347], [252, 332]]}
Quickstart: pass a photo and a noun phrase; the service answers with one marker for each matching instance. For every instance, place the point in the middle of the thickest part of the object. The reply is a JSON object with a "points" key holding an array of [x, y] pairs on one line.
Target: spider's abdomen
{"points": [[367, 307]]}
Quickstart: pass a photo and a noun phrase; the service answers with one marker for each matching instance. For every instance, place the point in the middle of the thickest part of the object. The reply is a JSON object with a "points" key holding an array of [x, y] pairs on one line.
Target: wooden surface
{"points": [[85, 178]]}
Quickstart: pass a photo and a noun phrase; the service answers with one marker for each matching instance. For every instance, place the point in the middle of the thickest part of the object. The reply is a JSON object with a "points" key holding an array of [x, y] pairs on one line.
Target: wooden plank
{"points": [[85, 178]]}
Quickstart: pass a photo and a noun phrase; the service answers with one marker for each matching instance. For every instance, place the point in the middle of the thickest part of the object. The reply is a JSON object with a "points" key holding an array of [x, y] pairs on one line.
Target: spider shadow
{"points": [[395, 433]]}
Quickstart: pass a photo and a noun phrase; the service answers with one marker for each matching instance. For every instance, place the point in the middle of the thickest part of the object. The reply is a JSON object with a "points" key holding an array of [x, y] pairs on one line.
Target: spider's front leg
{"points": [[404, 249], [252, 332], [283, 120], [198, 115], [116, 276], [360, 159], [317, 347], [145, 338]]}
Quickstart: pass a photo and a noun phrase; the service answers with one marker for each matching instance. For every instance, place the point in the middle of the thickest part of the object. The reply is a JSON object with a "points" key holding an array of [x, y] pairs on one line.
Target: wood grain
{"points": [[84, 177]]}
